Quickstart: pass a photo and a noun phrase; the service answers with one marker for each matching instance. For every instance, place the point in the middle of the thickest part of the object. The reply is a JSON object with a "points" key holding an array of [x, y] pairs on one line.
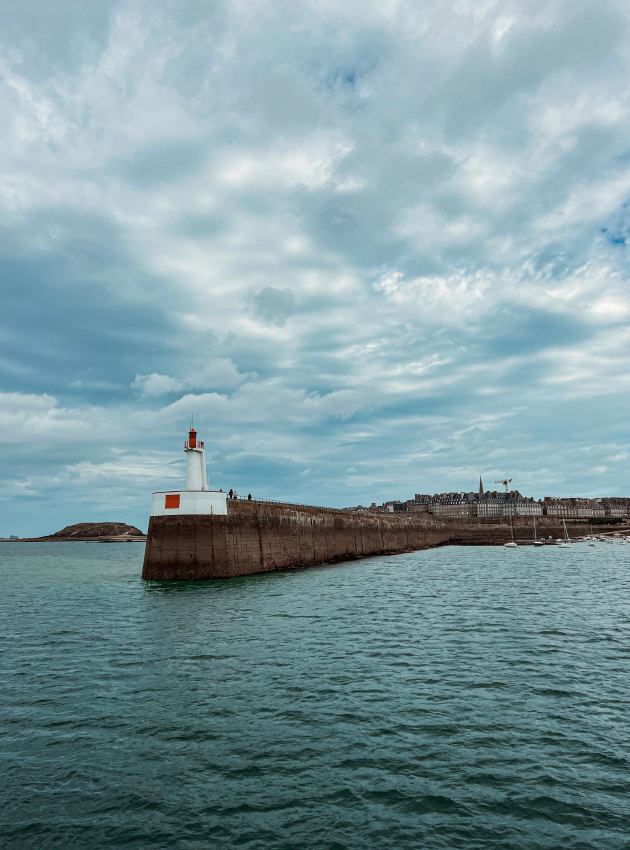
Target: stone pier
{"points": [[256, 537]]}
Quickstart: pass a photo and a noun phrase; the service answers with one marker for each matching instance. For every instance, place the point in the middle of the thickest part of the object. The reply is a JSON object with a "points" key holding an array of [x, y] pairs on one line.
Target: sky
{"points": [[378, 248]]}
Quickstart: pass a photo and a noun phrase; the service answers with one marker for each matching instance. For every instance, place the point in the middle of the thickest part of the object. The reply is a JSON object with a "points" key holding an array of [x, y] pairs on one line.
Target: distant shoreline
{"points": [[74, 540], [87, 532]]}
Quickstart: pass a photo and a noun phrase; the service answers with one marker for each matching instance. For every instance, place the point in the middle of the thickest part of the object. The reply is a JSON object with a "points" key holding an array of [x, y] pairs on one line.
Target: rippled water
{"points": [[457, 698]]}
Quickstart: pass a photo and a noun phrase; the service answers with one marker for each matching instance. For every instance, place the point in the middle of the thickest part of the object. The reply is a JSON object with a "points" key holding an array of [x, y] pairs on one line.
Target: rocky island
{"points": [[106, 532]]}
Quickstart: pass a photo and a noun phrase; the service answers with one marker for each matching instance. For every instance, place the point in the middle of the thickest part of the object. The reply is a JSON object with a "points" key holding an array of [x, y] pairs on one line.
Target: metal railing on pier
{"points": [[288, 504]]}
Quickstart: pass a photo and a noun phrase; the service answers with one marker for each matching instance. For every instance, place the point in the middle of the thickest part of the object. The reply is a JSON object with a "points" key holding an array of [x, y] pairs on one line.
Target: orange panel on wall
{"points": [[171, 501]]}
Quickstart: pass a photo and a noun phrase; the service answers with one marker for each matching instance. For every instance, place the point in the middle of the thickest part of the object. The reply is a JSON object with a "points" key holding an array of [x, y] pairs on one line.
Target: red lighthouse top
{"points": [[191, 442]]}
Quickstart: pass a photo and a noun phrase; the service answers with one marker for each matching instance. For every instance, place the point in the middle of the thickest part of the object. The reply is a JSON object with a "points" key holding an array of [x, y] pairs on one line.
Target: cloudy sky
{"points": [[378, 248]]}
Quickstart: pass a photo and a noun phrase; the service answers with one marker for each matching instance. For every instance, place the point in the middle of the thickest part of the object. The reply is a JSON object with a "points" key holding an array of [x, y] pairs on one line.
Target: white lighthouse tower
{"points": [[196, 498], [195, 463]]}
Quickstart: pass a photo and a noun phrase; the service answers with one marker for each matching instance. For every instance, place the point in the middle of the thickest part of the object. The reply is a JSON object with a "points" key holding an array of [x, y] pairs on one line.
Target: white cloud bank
{"points": [[377, 248]]}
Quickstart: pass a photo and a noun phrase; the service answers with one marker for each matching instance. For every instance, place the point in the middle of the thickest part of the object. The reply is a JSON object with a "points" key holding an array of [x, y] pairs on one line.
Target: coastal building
{"points": [[420, 504], [454, 505], [597, 510], [512, 503], [615, 508], [492, 503], [574, 508], [489, 504], [527, 506], [390, 507]]}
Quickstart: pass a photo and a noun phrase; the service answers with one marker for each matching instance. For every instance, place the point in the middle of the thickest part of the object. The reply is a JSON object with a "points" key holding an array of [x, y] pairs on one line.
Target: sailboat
{"points": [[566, 543], [536, 541], [511, 544]]}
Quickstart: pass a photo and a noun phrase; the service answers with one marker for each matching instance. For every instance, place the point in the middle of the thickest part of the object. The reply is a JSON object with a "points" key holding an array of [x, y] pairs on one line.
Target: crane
{"points": [[505, 481]]}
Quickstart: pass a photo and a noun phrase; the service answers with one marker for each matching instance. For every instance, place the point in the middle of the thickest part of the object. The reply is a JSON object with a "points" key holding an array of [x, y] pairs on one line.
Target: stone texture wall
{"points": [[256, 537]]}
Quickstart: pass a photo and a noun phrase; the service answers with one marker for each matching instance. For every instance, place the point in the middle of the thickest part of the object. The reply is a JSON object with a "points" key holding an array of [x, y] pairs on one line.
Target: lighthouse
{"points": [[195, 463], [196, 498]]}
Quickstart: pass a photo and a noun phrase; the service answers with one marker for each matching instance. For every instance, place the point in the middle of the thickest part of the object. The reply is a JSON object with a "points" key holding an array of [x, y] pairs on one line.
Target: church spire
{"points": [[480, 486]]}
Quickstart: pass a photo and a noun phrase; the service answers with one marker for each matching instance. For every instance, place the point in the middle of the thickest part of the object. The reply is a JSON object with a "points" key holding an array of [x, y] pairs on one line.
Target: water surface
{"points": [[456, 698]]}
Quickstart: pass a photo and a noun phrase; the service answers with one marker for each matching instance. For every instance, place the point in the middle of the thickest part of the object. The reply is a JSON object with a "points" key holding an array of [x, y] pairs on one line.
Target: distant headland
{"points": [[84, 532]]}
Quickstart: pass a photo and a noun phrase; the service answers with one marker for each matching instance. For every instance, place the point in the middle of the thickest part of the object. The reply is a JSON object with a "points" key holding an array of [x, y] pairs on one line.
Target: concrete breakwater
{"points": [[256, 537]]}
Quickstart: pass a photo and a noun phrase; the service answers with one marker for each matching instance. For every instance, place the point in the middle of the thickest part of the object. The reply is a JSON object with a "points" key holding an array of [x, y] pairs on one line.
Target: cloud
{"points": [[159, 163], [273, 306], [156, 384], [381, 237], [220, 373]]}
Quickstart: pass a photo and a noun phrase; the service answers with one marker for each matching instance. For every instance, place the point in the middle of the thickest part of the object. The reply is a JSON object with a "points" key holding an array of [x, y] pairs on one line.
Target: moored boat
{"points": [[537, 542], [511, 544], [566, 543]]}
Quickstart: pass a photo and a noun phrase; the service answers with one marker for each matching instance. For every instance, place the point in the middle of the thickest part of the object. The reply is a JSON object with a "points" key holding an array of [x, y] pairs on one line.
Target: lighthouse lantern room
{"points": [[196, 498]]}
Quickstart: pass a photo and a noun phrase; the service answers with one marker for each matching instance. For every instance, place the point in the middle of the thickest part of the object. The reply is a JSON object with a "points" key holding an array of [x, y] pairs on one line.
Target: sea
{"points": [[471, 697]]}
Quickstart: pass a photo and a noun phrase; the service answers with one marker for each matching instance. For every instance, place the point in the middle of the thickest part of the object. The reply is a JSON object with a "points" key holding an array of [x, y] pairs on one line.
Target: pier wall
{"points": [[255, 537]]}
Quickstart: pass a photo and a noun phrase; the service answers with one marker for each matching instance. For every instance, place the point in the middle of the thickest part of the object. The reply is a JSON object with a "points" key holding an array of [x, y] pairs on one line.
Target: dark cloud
{"points": [[486, 78], [515, 332], [273, 306], [76, 315], [61, 35], [160, 163], [200, 226]]}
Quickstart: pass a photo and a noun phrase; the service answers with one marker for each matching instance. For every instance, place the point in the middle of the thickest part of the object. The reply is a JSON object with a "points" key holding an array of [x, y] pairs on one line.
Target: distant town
{"points": [[496, 503]]}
